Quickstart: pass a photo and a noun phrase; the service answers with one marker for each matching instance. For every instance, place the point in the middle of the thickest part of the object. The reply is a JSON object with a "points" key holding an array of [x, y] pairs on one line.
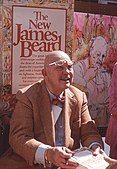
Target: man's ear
{"points": [[44, 72]]}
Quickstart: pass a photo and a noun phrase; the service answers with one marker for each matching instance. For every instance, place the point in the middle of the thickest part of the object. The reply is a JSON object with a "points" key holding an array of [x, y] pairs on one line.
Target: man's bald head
{"points": [[55, 56]]}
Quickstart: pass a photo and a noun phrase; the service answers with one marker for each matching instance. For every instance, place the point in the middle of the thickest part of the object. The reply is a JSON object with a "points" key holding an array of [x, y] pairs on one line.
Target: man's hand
{"points": [[112, 165], [60, 156], [112, 162]]}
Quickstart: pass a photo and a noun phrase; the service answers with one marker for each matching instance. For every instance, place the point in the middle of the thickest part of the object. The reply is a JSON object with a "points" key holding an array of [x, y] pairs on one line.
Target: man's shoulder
{"points": [[31, 88], [79, 94], [75, 89]]}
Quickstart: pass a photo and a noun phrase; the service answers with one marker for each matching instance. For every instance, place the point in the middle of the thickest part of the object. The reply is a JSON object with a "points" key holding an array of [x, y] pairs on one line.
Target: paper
{"points": [[86, 160]]}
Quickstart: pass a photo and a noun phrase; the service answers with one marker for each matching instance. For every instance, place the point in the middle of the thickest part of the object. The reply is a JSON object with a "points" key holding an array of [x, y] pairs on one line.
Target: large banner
{"points": [[94, 53], [29, 29], [34, 35]]}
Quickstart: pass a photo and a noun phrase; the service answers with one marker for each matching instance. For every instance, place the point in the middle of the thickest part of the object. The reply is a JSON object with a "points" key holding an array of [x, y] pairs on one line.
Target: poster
{"points": [[59, 16], [94, 54], [28, 30], [38, 33], [53, 17]]}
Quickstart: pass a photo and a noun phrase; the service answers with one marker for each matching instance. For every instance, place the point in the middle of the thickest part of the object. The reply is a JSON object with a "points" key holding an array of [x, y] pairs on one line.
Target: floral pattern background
{"points": [[94, 54]]}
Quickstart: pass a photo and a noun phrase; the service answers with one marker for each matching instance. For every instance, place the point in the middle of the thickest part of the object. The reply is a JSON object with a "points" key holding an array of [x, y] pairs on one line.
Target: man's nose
{"points": [[67, 70]]}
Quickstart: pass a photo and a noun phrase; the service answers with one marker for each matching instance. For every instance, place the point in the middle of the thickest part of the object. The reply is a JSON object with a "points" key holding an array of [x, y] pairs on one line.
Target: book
{"points": [[87, 160]]}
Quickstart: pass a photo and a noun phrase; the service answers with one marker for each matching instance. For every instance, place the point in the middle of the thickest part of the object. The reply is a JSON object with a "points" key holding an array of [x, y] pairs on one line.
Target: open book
{"points": [[86, 159]]}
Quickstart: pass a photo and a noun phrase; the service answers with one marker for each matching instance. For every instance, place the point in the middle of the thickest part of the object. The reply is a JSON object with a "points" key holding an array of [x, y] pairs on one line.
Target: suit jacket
{"points": [[32, 124]]}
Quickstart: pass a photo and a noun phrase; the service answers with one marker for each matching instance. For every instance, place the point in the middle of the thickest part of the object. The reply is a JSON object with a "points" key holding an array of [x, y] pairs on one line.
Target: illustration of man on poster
{"points": [[94, 79]]}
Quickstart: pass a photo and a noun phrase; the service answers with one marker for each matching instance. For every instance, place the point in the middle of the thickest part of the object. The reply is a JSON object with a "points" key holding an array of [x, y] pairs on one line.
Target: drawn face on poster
{"points": [[97, 51], [94, 38]]}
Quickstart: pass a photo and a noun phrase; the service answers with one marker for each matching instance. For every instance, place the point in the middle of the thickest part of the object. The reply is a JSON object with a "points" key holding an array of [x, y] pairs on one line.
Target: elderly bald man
{"points": [[50, 120]]}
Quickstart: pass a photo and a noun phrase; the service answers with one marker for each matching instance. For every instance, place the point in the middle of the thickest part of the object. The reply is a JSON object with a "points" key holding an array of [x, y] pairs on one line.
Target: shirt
{"points": [[56, 109]]}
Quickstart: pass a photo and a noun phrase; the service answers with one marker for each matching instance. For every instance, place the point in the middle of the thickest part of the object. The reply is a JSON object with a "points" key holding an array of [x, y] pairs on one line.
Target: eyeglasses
{"points": [[61, 63]]}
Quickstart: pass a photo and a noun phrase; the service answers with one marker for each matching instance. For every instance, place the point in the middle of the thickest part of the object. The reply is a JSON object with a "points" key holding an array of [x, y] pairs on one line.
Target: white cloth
{"points": [[39, 155]]}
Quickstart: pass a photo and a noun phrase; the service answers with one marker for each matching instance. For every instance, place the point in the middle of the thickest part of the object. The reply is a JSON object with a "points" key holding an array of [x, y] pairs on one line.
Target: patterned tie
{"points": [[58, 100]]}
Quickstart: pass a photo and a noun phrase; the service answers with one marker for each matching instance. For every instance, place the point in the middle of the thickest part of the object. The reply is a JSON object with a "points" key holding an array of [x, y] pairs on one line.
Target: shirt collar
{"points": [[52, 96]]}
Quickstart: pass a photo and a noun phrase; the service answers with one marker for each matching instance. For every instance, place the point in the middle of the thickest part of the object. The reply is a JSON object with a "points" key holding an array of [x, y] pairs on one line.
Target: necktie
{"points": [[58, 100]]}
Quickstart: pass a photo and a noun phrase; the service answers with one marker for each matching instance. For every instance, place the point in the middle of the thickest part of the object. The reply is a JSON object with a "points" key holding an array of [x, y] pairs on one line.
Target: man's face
{"points": [[59, 75], [98, 51], [96, 57]]}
